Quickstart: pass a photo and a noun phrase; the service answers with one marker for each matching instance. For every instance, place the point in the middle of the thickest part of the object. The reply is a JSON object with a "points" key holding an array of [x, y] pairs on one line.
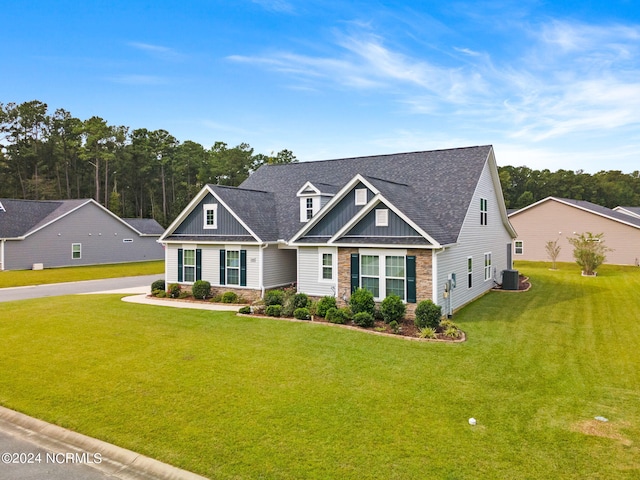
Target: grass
{"points": [[21, 278], [240, 397]]}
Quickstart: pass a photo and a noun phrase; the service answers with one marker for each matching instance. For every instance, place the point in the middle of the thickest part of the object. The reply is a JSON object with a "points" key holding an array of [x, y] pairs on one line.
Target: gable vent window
{"points": [[211, 216], [382, 217], [483, 211], [361, 196]]}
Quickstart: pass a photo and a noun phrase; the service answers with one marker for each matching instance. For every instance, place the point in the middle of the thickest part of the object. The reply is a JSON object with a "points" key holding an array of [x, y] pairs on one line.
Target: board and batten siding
{"points": [[99, 233], [309, 272], [474, 241], [227, 224], [279, 266], [339, 215]]}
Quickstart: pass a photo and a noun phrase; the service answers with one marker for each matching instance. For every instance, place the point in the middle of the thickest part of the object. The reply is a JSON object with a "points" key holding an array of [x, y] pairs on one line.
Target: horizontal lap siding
{"points": [[279, 266], [309, 273]]}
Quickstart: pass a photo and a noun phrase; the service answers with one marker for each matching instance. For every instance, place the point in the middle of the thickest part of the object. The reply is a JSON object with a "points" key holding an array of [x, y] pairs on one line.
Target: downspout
{"points": [[261, 268], [2, 254]]}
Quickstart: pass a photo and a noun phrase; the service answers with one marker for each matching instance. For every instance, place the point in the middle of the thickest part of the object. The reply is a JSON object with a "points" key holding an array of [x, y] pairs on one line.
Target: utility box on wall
{"points": [[510, 279]]}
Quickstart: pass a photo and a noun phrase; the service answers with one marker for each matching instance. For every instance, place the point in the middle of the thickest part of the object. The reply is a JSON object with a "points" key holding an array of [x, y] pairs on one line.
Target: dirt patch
{"points": [[597, 428]]}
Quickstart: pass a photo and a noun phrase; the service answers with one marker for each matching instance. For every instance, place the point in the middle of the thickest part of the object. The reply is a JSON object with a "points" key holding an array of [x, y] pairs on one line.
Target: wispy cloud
{"points": [[157, 51], [280, 6]]}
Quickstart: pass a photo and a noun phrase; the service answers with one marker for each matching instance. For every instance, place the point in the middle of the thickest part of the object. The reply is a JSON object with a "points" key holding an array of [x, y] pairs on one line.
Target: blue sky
{"points": [[549, 84]]}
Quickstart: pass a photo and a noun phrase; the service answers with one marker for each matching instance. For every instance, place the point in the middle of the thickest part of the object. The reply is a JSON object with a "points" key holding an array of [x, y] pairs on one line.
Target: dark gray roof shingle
{"points": [[146, 226], [21, 217]]}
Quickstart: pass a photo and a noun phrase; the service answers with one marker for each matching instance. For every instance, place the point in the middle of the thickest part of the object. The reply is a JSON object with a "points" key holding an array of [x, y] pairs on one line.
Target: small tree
{"points": [[589, 251], [553, 251]]}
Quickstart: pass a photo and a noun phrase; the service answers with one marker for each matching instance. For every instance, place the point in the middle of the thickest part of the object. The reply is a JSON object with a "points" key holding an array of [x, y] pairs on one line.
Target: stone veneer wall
{"points": [[424, 276], [248, 294]]}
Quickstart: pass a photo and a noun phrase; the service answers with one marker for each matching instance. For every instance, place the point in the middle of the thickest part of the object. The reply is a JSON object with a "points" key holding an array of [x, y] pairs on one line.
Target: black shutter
{"points": [[180, 265], [411, 279], [355, 272], [223, 266], [243, 268], [198, 264]]}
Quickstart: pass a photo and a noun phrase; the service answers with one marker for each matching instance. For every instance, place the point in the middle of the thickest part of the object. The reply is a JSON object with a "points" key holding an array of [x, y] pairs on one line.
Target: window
{"points": [[370, 276], [127, 240], [469, 272], [361, 196], [233, 267], [309, 208], [210, 215], [483, 211], [189, 265], [76, 251], [395, 273], [519, 247], [327, 266], [382, 217], [487, 266]]}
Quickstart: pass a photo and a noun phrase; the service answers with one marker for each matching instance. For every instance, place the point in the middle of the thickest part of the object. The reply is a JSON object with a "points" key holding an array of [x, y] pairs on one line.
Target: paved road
{"points": [[21, 459], [71, 288]]}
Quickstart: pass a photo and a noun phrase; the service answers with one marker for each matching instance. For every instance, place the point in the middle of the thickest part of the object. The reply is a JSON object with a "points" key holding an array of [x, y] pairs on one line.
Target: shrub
{"points": [[428, 314], [159, 293], [174, 290], [392, 309], [301, 300], [364, 319], [450, 329], [362, 301], [245, 310], [395, 326], [324, 304], [201, 289], [274, 297], [229, 297], [302, 313], [589, 251], [340, 316], [158, 285], [427, 332], [274, 310]]}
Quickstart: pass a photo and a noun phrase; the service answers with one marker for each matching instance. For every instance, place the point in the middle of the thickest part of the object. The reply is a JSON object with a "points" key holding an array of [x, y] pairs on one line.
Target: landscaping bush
{"points": [[450, 329], [364, 319], [392, 309], [427, 332], [301, 300], [158, 285], [245, 310], [338, 315], [395, 326], [428, 314], [229, 297], [302, 313], [273, 310], [201, 289], [362, 301], [274, 297], [159, 293], [324, 304], [174, 290]]}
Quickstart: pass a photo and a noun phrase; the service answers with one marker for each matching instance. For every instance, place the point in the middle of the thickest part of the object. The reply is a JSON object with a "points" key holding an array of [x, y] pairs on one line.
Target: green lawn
{"points": [[244, 398], [20, 278]]}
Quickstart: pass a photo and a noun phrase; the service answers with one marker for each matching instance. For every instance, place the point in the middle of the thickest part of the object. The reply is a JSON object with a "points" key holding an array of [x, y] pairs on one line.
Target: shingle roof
{"points": [[21, 217], [146, 226], [433, 188]]}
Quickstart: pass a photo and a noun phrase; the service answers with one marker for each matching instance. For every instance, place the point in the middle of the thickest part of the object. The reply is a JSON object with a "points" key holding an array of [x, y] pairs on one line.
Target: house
{"points": [[633, 211], [59, 233], [409, 224], [560, 218]]}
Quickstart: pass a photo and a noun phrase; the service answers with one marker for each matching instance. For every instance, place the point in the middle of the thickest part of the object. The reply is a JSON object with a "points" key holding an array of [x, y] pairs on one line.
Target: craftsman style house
{"points": [[410, 224]]}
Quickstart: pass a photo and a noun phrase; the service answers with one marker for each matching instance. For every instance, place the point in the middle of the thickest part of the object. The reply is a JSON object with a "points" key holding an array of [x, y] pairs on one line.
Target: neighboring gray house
{"points": [[558, 219], [633, 211], [404, 224], [58, 233]]}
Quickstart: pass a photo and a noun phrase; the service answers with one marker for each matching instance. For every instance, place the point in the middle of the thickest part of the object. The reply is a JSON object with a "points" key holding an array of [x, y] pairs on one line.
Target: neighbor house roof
{"points": [[588, 207], [433, 188], [19, 218], [633, 211], [145, 226]]}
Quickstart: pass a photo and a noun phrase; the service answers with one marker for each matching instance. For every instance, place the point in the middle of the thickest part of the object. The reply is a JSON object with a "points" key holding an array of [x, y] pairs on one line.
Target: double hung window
{"points": [[189, 265], [487, 266], [483, 211], [233, 267], [383, 275]]}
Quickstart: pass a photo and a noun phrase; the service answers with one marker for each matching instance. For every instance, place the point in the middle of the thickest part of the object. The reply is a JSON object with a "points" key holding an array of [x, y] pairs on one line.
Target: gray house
{"points": [[57, 233], [410, 224]]}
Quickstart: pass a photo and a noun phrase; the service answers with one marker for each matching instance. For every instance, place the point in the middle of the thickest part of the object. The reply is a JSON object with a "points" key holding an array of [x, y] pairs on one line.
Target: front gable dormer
{"points": [[312, 199]]}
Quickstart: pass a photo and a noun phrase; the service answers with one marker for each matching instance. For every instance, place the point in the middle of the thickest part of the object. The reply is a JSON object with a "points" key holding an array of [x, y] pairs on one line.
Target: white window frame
{"points": [[382, 270], [322, 265], [370, 275], [403, 278], [361, 196], [304, 208], [210, 207], [484, 211], [188, 268], [382, 217], [308, 208], [488, 266], [79, 257], [228, 268], [520, 247], [469, 272]]}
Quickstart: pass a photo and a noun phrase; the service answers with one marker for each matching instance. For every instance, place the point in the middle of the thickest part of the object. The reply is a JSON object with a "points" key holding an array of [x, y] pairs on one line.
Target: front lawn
{"points": [[241, 397], [20, 278]]}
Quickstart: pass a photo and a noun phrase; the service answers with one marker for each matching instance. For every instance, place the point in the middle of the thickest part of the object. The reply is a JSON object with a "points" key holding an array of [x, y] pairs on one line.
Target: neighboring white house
{"points": [[406, 224]]}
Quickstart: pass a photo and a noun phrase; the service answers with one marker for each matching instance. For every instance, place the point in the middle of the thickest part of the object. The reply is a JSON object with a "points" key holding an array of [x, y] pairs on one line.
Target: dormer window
{"points": [[309, 208]]}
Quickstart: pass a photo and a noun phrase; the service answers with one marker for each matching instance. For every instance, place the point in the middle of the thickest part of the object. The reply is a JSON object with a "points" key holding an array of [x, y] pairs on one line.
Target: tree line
{"points": [[134, 173], [150, 174]]}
